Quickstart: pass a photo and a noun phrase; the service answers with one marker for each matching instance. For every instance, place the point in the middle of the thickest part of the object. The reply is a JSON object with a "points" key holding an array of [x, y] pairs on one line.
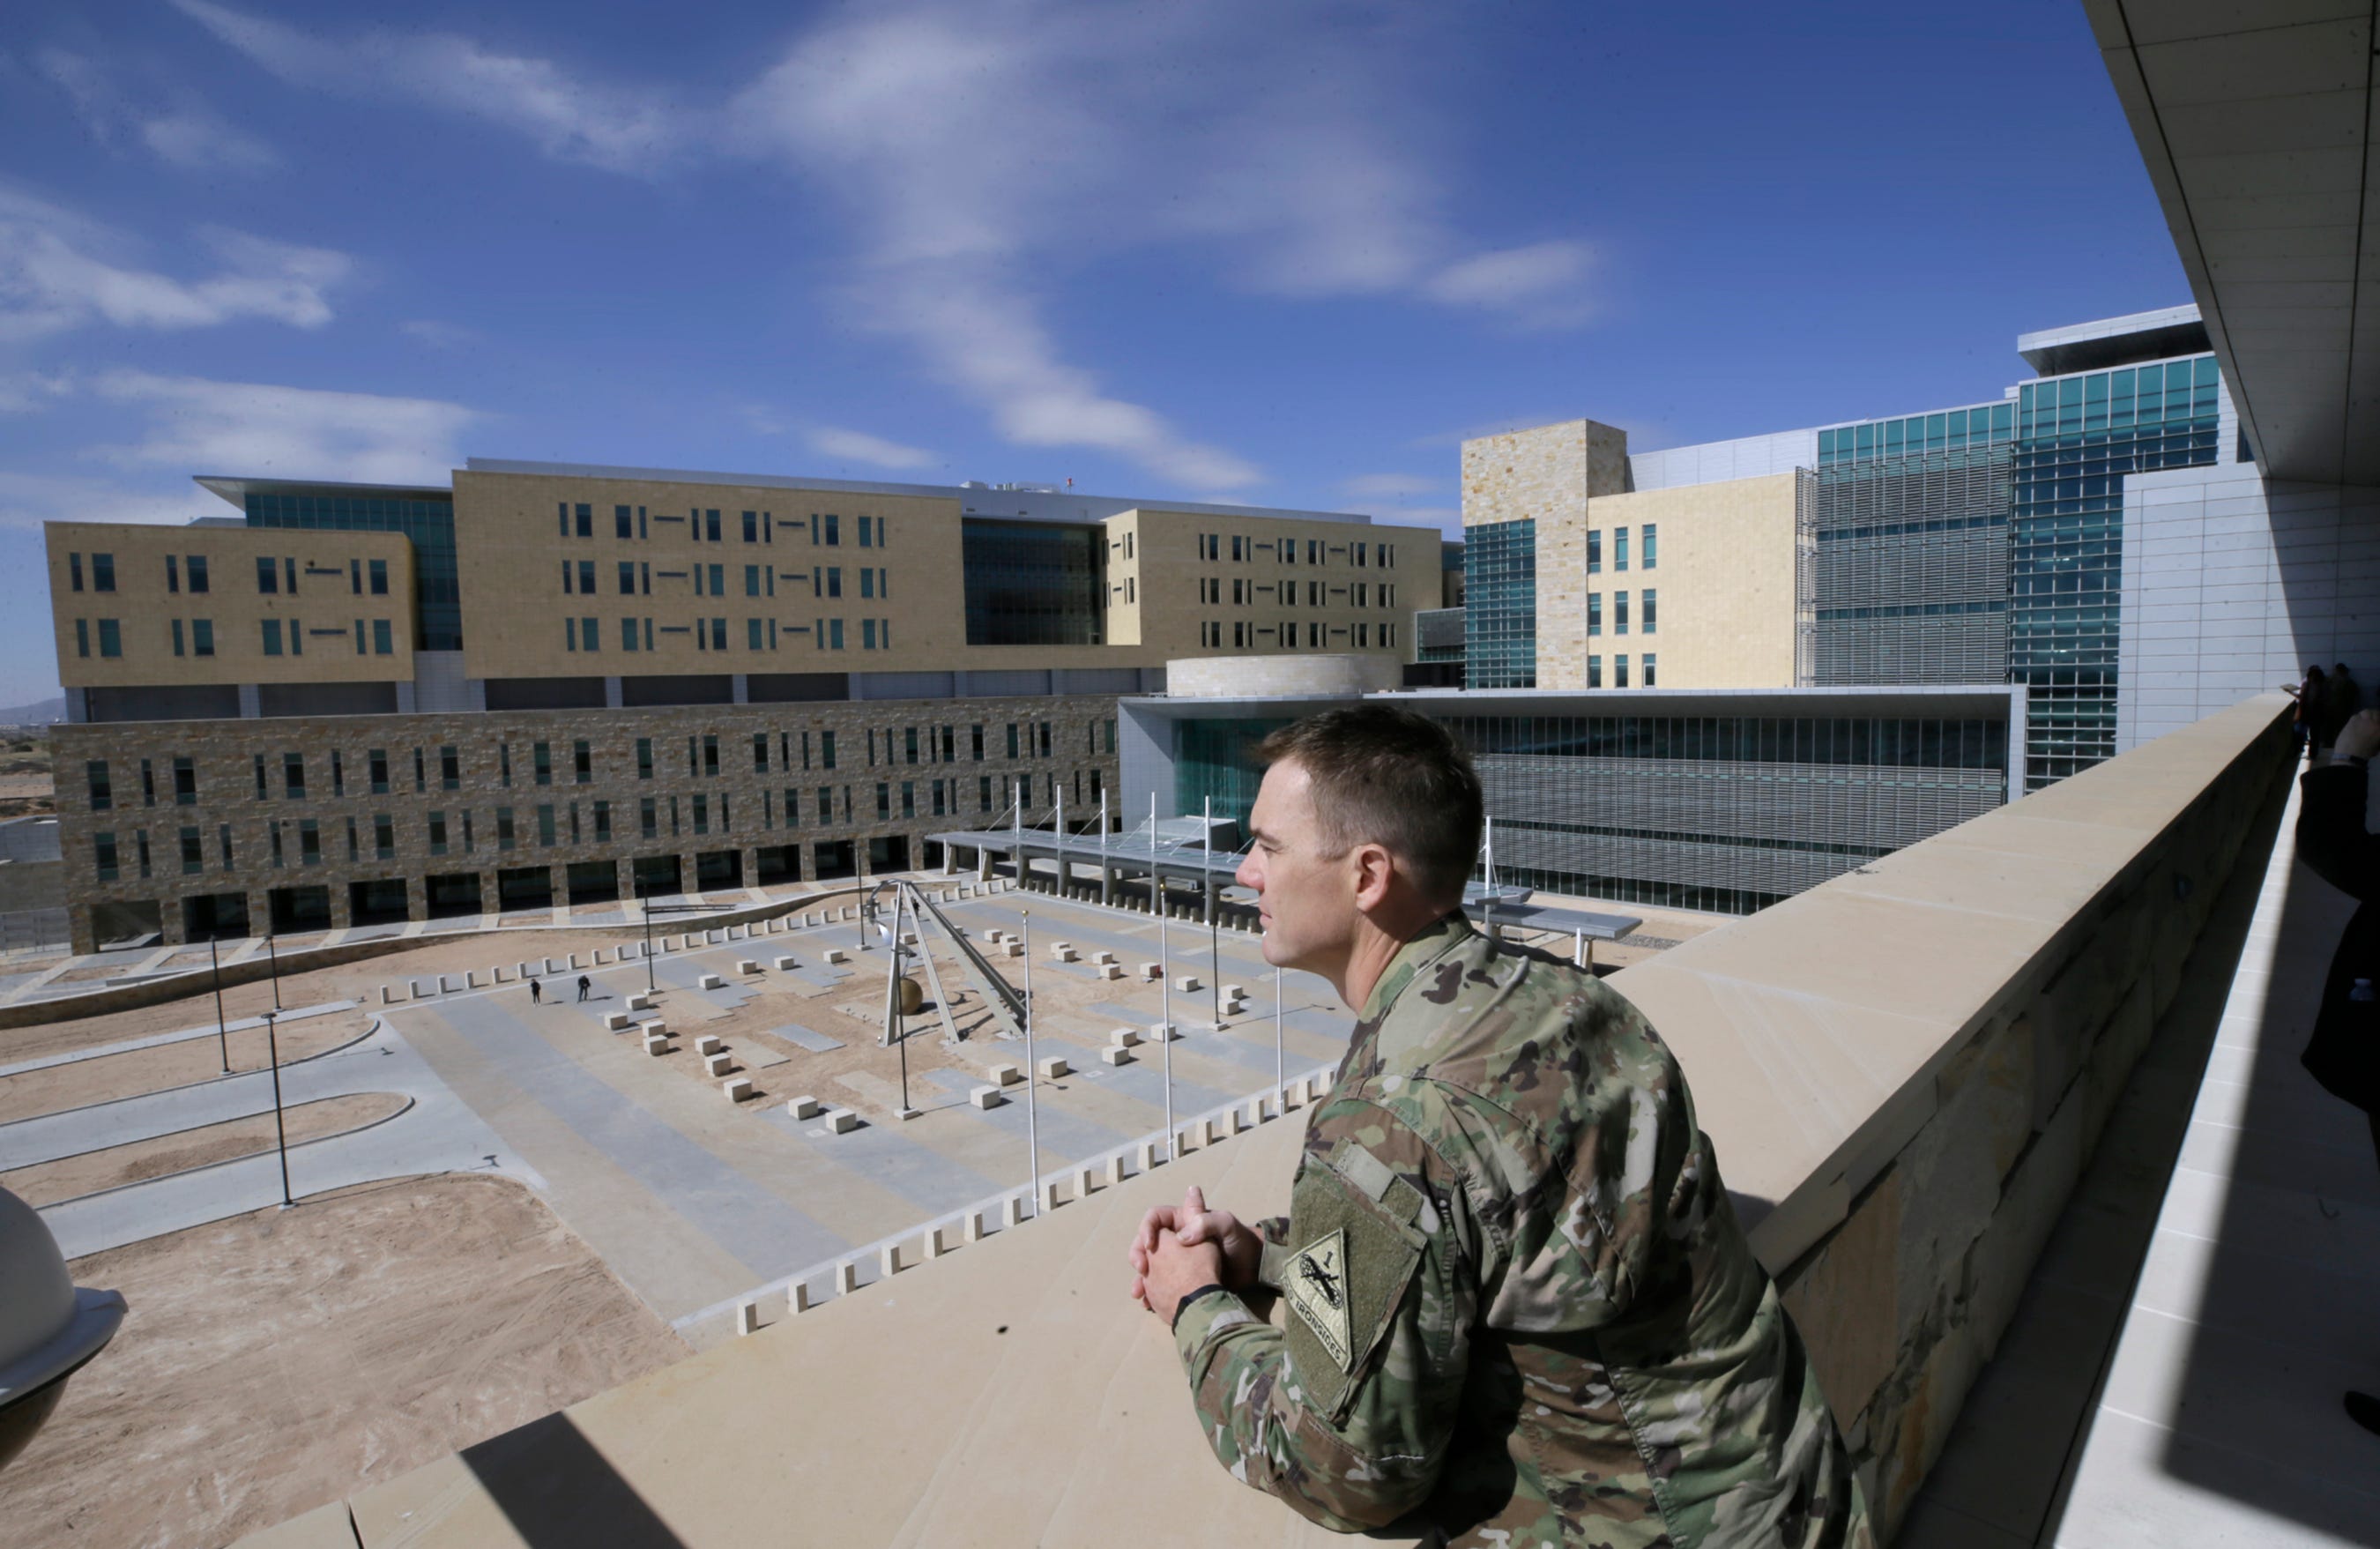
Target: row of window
{"points": [[1650, 548], [278, 637], [554, 823], [1620, 671], [1359, 594], [1651, 616], [943, 744], [703, 525], [1246, 635], [711, 634], [635, 579], [1317, 550]]}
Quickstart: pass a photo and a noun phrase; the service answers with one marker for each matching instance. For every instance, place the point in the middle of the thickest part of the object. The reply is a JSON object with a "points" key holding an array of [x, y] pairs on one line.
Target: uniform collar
{"points": [[1434, 940]]}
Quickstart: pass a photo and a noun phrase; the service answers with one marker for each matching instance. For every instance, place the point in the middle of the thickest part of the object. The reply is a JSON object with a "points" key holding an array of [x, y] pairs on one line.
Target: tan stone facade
{"points": [[1717, 561], [186, 605], [892, 771]]}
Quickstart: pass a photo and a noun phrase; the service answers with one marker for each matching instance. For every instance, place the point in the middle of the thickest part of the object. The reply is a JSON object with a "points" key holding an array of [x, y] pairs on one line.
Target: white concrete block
{"points": [[719, 1065], [748, 1317], [385, 998], [1012, 1212], [1115, 1171], [1151, 973], [1165, 1032], [746, 965], [1185, 983], [711, 982], [520, 970], [841, 1121], [1103, 956], [550, 968], [1012, 949], [1058, 946], [994, 936], [413, 989], [1052, 1066], [497, 973], [618, 1021], [1152, 1155], [974, 1226], [888, 1259], [798, 1297], [1233, 992], [802, 1107], [471, 978], [1004, 1075], [657, 1044], [640, 1001], [574, 959], [846, 1277], [708, 1043], [1086, 1179], [1125, 1038], [1068, 956], [653, 1028], [933, 1242], [1049, 1197], [985, 1097], [1110, 970], [1115, 1054], [1239, 1121], [785, 963], [837, 954]]}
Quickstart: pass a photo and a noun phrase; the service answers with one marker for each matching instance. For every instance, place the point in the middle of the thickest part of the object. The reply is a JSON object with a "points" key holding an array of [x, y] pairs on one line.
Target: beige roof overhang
{"points": [[2255, 121]]}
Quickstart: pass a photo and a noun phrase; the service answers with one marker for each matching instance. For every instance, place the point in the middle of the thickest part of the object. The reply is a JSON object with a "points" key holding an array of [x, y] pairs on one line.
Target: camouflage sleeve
{"points": [[1346, 1409], [1274, 1232]]}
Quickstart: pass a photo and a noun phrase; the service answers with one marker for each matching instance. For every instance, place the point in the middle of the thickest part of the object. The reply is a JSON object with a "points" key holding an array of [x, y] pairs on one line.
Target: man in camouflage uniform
{"points": [[1520, 1311]]}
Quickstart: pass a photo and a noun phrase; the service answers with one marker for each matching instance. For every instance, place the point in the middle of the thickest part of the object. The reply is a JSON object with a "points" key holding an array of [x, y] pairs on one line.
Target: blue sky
{"points": [[1284, 253]]}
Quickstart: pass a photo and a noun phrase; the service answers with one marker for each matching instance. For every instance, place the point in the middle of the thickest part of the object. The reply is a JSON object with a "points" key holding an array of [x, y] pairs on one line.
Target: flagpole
{"points": [[1165, 975]]}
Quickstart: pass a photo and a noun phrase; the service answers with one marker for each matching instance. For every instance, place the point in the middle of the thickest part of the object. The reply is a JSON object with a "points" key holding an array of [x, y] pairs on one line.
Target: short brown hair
{"points": [[1392, 777]]}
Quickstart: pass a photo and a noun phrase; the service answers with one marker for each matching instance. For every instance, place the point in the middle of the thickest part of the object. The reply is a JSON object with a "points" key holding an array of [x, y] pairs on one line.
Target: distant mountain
{"points": [[44, 713]]}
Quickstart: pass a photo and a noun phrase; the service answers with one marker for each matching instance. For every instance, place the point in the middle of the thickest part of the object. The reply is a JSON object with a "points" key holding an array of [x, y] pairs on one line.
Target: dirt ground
{"points": [[284, 1358], [70, 1178], [170, 1065]]}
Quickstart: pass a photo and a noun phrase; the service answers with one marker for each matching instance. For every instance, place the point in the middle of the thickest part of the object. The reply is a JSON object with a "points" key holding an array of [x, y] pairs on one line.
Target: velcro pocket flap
{"points": [[1350, 1260]]}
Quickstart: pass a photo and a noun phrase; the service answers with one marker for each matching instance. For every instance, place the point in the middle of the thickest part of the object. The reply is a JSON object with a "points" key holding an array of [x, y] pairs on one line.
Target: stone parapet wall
{"points": [[1334, 676], [1906, 1068]]}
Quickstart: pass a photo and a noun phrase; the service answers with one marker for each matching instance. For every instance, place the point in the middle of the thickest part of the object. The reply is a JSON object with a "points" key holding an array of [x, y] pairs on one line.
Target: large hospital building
{"points": [[544, 685]]}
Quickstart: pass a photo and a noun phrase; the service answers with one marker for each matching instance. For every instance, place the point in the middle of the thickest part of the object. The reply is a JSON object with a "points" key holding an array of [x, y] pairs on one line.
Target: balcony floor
{"points": [[2173, 1374]]}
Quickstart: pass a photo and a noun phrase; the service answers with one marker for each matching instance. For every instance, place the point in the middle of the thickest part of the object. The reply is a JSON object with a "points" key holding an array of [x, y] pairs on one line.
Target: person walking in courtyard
{"points": [[2344, 1052], [536, 993], [585, 984], [1519, 1307]]}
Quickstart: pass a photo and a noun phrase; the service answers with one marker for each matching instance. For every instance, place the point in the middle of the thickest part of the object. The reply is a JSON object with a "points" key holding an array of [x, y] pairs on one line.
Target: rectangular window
{"points": [[586, 521], [260, 777], [1648, 618], [541, 761], [983, 793], [1647, 664], [385, 836], [1594, 553], [267, 576], [648, 817], [1012, 739], [1620, 672], [883, 799], [202, 637], [1619, 613], [361, 649], [759, 753], [377, 569], [378, 760], [505, 764], [582, 763], [186, 783], [623, 525], [197, 569], [173, 573], [752, 634], [102, 572], [293, 776], [437, 833], [503, 828], [867, 634], [1619, 548], [104, 855], [826, 750], [178, 636], [644, 758], [710, 525], [450, 768], [833, 531], [110, 637], [545, 825], [909, 799], [702, 814], [1649, 554], [102, 795], [752, 527], [711, 757], [82, 636], [1595, 672], [627, 634], [1595, 613], [74, 569], [383, 643], [603, 822], [310, 842]]}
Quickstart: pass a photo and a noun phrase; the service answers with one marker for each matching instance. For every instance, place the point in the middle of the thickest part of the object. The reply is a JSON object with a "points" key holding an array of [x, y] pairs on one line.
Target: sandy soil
{"points": [[169, 1065], [284, 1358], [19, 787], [70, 1178]]}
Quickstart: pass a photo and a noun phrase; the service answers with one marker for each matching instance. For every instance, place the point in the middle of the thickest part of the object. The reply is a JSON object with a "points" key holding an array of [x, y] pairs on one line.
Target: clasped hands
{"points": [[1176, 1251]]}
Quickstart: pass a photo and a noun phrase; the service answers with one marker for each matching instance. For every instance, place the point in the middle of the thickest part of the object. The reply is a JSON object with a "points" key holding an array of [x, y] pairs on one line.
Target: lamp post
{"points": [[646, 909], [1164, 974], [1214, 908], [223, 1034], [273, 957], [280, 1126], [1032, 1072]]}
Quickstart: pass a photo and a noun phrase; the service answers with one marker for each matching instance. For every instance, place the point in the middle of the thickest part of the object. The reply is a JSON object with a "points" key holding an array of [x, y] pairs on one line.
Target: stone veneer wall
{"points": [[2057, 930], [225, 751]]}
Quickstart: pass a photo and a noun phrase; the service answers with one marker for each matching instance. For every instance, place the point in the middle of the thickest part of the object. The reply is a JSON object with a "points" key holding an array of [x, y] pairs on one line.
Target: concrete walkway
{"points": [[184, 1035]]}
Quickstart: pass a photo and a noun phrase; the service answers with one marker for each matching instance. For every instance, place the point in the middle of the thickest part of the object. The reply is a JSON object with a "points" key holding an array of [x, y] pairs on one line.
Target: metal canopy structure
{"points": [[2256, 124]]}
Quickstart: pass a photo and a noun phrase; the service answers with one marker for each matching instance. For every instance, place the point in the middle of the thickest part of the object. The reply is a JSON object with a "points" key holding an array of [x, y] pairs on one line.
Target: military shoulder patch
{"points": [[1318, 1289]]}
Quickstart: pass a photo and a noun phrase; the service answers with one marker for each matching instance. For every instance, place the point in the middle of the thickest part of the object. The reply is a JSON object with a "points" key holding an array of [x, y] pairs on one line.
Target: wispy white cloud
{"points": [[30, 499], [28, 391], [204, 426], [618, 129], [979, 152], [60, 272], [852, 445], [438, 335], [183, 132]]}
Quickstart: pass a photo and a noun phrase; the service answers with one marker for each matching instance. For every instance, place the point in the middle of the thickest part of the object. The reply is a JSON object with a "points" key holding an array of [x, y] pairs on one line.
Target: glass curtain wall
{"points": [[1034, 583], [430, 523], [1499, 621]]}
